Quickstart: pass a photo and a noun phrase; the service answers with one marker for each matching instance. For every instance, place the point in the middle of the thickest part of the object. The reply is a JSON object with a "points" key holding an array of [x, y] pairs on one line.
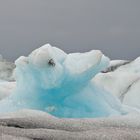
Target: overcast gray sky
{"points": [[112, 26]]}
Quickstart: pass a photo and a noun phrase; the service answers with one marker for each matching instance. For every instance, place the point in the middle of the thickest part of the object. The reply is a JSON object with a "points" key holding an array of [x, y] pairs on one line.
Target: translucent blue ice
{"points": [[59, 83]]}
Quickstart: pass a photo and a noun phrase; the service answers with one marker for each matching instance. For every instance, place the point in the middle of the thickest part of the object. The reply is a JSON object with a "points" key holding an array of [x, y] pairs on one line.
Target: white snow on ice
{"points": [[123, 82]]}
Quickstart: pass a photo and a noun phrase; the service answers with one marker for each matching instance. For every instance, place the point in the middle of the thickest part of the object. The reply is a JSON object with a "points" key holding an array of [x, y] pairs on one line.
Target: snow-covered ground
{"points": [[42, 126]]}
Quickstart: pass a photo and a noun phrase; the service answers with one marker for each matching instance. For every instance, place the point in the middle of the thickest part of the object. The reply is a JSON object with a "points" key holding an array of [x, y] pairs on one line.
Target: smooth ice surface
{"points": [[53, 81]]}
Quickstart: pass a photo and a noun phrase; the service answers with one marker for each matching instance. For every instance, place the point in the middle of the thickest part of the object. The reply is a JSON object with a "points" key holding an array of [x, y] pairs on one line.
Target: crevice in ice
{"points": [[127, 89], [10, 124], [114, 67]]}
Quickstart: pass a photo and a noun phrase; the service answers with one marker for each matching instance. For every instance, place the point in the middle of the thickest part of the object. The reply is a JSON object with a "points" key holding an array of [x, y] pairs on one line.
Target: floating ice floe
{"points": [[60, 84]]}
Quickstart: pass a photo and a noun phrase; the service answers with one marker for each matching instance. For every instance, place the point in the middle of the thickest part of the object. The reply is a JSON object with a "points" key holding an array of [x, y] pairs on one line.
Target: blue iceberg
{"points": [[53, 81]]}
